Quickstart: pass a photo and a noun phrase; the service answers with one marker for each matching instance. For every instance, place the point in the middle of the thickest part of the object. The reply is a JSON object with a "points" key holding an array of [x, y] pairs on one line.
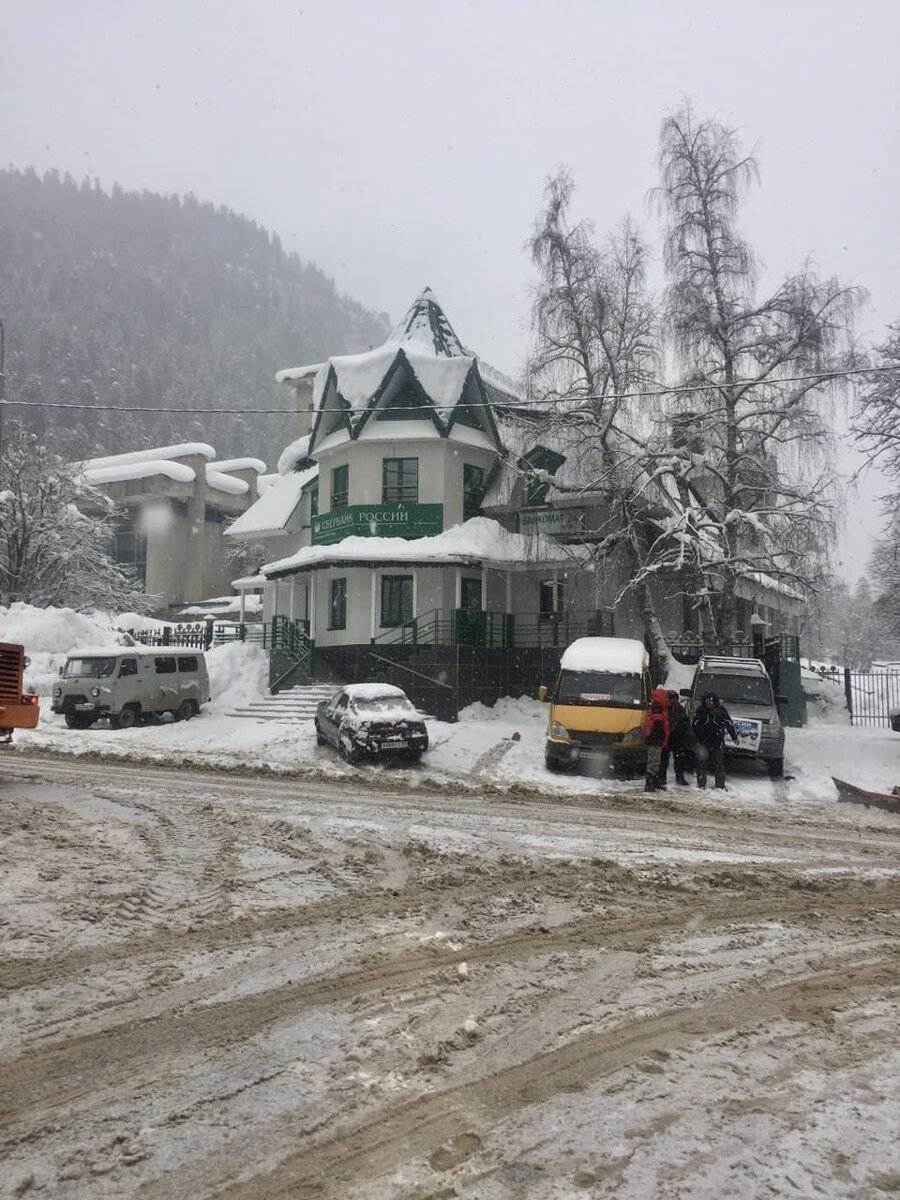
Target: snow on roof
{"points": [[226, 483], [273, 510], [477, 540], [605, 654], [145, 469], [291, 455], [157, 453], [238, 464], [425, 336], [371, 691], [265, 482], [289, 374], [221, 606]]}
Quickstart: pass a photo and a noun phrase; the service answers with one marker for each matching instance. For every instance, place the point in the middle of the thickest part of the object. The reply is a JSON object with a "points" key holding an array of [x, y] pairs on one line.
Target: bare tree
{"points": [[56, 533], [763, 484], [596, 340], [876, 423]]}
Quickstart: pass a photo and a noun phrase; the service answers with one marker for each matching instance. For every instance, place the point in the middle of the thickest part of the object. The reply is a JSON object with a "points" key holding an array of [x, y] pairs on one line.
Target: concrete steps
{"points": [[293, 704]]}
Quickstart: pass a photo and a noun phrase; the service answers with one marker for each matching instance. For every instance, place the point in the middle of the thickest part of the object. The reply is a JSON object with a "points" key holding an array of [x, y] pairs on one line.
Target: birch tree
{"points": [[56, 534], [595, 341], [764, 487]]}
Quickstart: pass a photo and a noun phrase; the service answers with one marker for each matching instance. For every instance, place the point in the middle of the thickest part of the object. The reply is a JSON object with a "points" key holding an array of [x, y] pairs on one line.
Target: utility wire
{"points": [[512, 405]]}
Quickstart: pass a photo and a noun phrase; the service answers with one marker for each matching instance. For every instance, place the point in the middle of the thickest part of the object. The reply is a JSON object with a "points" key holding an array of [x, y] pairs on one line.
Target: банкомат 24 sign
{"points": [[378, 520]]}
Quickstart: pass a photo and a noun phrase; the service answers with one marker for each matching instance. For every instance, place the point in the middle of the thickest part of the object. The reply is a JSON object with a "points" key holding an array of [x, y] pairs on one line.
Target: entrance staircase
{"points": [[292, 704]]}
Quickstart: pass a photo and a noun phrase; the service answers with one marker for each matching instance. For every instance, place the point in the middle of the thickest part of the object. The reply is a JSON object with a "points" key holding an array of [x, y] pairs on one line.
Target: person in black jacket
{"points": [[711, 723], [680, 741]]}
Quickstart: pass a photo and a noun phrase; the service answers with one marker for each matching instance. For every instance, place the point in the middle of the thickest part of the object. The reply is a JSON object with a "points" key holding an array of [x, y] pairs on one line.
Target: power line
{"points": [[513, 405]]}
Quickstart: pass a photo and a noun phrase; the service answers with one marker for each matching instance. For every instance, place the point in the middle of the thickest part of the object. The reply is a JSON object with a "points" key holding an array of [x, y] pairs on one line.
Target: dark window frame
{"points": [[340, 486], [162, 669], [400, 490], [473, 490], [397, 600], [190, 659], [337, 603]]}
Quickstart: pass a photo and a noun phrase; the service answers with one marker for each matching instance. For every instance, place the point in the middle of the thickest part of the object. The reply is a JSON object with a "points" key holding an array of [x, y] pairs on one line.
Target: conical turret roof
{"points": [[424, 329]]}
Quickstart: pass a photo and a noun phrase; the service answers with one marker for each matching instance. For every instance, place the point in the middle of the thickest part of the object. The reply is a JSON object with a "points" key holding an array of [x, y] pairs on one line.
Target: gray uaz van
{"points": [[127, 684], [744, 687]]}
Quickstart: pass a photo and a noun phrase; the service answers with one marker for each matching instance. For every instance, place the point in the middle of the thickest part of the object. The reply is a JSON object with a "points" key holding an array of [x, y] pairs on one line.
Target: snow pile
{"points": [[293, 455], [238, 674], [49, 634]]}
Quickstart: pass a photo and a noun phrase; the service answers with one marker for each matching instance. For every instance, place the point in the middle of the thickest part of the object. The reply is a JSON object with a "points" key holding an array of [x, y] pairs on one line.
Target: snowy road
{"points": [[216, 985]]}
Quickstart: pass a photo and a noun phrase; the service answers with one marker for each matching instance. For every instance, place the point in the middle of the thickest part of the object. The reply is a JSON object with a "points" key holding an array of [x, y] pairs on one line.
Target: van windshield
{"points": [[602, 689], [91, 668], [736, 689]]}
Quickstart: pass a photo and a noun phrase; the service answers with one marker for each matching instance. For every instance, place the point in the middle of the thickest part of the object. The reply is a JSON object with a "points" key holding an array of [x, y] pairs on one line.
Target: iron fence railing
{"points": [[872, 696], [472, 627]]}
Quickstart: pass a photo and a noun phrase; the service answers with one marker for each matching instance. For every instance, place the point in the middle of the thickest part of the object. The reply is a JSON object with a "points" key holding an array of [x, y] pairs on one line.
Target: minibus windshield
{"points": [[603, 689]]}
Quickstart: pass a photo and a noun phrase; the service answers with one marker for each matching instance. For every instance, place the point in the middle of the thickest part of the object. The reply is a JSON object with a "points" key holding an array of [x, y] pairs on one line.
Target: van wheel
{"points": [[126, 718], [776, 767], [79, 720], [184, 711]]}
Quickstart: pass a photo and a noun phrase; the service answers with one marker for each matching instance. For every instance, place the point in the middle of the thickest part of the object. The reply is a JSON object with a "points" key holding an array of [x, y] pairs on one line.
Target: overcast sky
{"points": [[402, 144]]}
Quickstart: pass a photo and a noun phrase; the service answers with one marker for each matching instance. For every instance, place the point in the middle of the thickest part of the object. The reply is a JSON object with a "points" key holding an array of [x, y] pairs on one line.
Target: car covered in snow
{"points": [[371, 720]]}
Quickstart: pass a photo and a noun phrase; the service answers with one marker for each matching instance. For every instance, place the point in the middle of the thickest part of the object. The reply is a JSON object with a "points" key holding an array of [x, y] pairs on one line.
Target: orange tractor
{"points": [[18, 709]]}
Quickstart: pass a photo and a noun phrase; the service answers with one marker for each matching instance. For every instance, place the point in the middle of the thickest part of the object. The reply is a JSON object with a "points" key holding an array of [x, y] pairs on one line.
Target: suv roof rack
{"points": [[730, 660]]}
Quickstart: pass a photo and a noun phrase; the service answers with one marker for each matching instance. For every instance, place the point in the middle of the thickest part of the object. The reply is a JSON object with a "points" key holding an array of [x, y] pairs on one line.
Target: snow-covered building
{"points": [[413, 532], [173, 504]]}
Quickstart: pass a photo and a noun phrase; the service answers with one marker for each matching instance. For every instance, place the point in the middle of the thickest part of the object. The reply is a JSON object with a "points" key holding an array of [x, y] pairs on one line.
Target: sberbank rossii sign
{"points": [[378, 520]]}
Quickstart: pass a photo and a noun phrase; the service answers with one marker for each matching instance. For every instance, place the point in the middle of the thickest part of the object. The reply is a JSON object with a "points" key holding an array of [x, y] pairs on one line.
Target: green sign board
{"points": [[378, 520], [553, 522]]}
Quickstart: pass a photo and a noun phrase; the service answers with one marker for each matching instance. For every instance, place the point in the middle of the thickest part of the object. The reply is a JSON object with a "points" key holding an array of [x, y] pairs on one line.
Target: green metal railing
{"points": [[468, 627]]}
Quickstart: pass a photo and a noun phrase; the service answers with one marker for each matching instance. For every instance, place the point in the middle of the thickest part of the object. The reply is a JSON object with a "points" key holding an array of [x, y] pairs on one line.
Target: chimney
{"points": [[303, 390]]}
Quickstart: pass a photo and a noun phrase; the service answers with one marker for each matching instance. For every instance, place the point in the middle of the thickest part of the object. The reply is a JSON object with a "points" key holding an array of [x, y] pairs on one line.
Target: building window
{"points": [[338, 609], [546, 461], [314, 501], [400, 481], [340, 487], [470, 594], [473, 490], [129, 543], [396, 599], [551, 598]]}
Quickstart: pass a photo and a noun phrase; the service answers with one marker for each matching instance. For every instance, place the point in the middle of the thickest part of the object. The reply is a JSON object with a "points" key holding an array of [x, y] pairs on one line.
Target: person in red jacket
{"points": [[656, 735]]}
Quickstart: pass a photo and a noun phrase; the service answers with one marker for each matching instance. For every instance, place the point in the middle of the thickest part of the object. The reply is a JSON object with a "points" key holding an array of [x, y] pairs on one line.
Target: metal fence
{"points": [[872, 696]]}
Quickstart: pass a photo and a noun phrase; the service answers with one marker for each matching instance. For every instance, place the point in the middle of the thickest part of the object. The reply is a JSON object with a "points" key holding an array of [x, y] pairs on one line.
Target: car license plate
{"points": [[393, 743]]}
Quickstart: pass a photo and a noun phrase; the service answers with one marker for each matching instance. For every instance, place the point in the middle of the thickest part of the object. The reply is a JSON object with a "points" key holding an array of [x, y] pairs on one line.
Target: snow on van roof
{"points": [[605, 654], [116, 649]]}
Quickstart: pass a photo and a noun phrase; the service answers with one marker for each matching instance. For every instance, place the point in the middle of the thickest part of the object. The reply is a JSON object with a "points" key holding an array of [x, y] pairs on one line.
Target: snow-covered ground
{"points": [[222, 984], [503, 745]]}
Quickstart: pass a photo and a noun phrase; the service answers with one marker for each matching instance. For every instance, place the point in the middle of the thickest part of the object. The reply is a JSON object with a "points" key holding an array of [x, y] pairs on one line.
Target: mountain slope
{"points": [[138, 299]]}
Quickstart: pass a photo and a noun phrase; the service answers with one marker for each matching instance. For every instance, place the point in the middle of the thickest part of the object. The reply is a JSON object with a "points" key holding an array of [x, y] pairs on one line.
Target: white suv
{"points": [[745, 689]]}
